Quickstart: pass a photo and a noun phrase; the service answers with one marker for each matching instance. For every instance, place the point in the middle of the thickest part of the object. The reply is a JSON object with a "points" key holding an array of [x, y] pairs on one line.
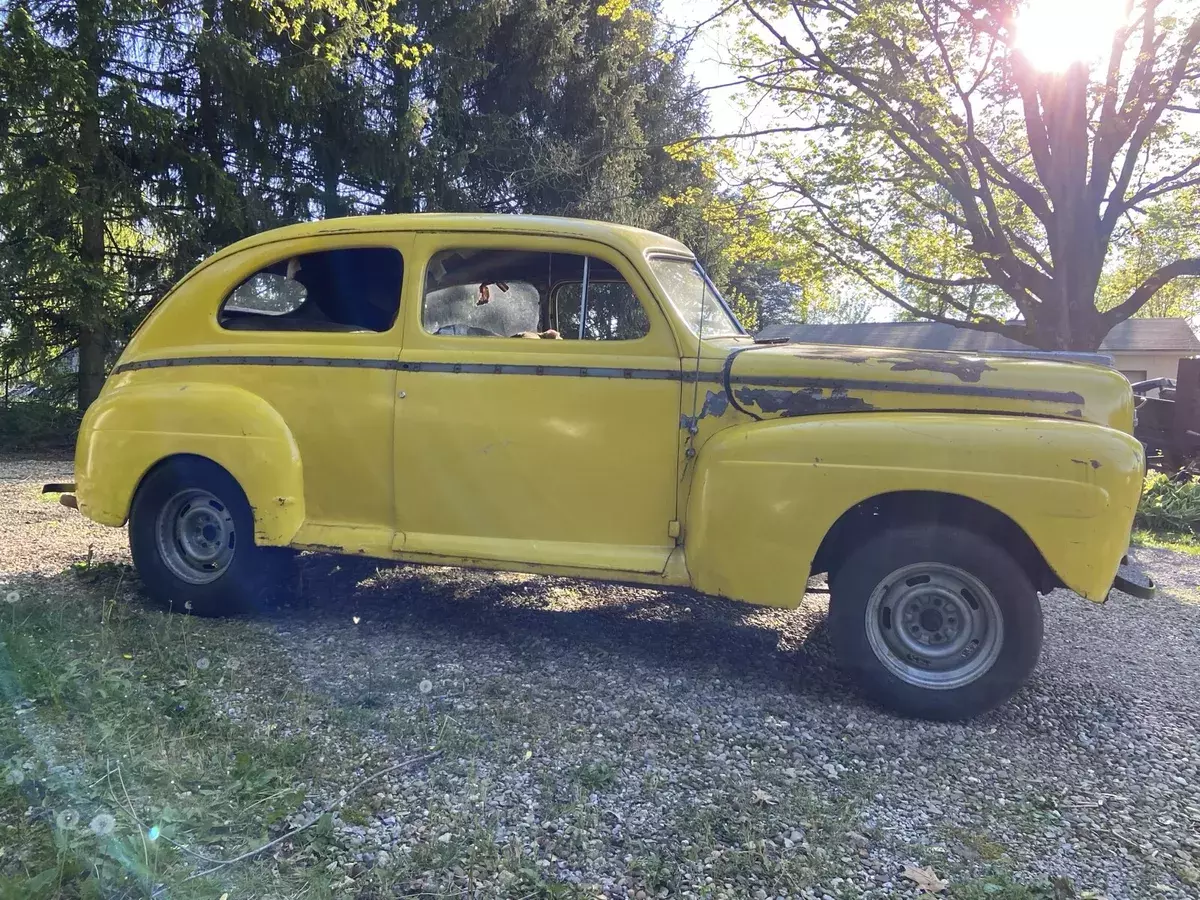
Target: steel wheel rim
{"points": [[196, 537], [934, 626]]}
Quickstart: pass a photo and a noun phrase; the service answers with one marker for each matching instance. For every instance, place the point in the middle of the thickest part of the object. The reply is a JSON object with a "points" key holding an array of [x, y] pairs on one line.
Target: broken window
{"points": [[517, 293]]}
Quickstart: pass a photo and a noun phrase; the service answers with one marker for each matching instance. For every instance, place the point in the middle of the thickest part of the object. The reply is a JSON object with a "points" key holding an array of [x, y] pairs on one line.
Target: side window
{"points": [[517, 293], [611, 311], [355, 289]]}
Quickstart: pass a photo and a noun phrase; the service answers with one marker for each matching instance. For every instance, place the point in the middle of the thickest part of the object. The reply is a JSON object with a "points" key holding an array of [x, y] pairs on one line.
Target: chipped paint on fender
{"points": [[801, 401]]}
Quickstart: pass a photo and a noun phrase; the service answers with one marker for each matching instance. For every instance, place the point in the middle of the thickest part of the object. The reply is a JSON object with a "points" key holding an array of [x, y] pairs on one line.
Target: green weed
{"points": [[1169, 506]]}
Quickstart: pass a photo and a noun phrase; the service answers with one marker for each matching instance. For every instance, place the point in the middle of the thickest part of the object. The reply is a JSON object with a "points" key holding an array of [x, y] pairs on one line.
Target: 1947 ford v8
{"points": [[571, 397]]}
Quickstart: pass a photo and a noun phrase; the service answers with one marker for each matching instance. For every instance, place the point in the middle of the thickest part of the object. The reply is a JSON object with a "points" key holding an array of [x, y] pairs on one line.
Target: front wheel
{"points": [[191, 534], [935, 622]]}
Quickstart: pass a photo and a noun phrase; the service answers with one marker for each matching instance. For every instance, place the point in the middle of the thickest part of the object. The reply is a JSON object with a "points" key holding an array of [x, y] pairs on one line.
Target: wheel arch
{"points": [[135, 428], [868, 518], [182, 458]]}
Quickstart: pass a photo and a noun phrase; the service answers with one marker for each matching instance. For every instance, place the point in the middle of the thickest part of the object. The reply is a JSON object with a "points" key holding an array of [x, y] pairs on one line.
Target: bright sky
{"points": [[707, 61], [1052, 34]]}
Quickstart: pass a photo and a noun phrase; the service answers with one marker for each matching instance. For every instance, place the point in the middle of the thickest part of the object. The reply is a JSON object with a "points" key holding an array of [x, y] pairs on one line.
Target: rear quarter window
{"points": [[352, 289]]}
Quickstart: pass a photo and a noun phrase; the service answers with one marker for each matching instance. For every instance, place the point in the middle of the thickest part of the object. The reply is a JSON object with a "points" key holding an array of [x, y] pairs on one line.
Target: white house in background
{"points": [[1139, 348]]}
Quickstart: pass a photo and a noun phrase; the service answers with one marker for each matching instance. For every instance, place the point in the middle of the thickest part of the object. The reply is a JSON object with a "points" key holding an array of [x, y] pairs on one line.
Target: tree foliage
{"points": [[916, 147], [137, 136]]}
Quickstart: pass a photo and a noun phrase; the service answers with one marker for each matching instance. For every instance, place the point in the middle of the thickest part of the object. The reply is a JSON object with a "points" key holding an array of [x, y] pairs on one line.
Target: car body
{"points": [[648, 439]]}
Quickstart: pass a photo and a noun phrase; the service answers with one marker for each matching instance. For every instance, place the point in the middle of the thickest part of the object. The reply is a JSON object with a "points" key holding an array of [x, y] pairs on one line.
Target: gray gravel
{"points": [[648, 744], [37, 535]]}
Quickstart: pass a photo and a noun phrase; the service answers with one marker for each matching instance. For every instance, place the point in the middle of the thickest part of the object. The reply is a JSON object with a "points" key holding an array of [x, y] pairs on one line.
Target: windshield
{"points": [[692, 294]]}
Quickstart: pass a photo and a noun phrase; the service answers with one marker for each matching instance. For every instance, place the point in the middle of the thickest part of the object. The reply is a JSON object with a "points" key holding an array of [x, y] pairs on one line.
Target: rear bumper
{"points": [[66, 489]]}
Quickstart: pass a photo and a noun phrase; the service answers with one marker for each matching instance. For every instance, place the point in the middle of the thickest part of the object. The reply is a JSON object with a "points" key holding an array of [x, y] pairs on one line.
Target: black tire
{"points": [[1016, 645], [250, 578]]}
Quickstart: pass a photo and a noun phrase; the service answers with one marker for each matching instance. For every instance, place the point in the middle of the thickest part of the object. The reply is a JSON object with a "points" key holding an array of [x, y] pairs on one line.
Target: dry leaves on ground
{"points": [[925, 879]]}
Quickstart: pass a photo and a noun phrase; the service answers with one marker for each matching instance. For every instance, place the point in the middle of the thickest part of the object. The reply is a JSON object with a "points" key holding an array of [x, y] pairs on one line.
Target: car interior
{"points": [[513, 293]]}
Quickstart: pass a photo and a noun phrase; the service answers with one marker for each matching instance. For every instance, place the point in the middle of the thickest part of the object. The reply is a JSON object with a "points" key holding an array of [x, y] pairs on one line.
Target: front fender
{"points": [[765, 494], [131, 428]]}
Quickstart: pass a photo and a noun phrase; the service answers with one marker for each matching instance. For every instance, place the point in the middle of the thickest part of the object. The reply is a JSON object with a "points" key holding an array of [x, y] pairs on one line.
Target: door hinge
{"points": [[673, 529]]}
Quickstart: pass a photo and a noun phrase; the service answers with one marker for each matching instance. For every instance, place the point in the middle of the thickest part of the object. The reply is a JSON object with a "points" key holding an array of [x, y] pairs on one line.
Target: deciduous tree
{"points": [[917, 146]]}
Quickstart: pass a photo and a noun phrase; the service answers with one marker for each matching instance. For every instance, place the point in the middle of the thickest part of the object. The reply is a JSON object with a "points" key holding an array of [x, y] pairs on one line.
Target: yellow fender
{"points": [[766, 494], [129, 430]]}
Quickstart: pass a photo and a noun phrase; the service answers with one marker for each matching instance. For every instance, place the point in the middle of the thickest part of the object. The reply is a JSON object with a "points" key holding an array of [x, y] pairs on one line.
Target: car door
{"points": [[313, 327], [560, 452]]}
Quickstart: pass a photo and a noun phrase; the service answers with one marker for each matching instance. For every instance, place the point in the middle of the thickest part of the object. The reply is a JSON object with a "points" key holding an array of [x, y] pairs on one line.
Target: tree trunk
{"points": [[329, 153], [92, 338], [210, 203], [400, 194], [1076, 250]]}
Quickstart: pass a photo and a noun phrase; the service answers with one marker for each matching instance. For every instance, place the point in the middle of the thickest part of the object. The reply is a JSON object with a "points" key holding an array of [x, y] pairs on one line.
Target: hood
{"points": [[774, 380]]}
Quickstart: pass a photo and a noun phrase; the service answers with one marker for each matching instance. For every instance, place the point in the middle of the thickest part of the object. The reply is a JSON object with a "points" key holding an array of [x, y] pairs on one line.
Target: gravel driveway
{"points": [[649, 744]]}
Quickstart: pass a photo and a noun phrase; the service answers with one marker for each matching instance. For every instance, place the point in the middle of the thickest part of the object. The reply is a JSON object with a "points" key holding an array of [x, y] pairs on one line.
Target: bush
{"points": [[1169, 506], [36, 425]]}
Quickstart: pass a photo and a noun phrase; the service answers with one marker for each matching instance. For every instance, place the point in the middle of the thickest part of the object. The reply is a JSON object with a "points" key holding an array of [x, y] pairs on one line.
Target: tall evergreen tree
{"points": [[137, 136]]}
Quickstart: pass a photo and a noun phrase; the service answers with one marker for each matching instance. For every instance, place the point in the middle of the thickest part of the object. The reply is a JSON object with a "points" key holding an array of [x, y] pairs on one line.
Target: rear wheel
{"points": [[191, 533], [935, 622]]}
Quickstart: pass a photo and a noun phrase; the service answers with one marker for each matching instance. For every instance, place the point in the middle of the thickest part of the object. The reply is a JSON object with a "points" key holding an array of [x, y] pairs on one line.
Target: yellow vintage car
{"points": [[573, 397]]}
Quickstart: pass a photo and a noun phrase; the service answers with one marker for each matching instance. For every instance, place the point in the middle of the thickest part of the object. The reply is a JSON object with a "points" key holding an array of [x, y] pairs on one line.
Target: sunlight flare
{"points": [[1054, 34]]}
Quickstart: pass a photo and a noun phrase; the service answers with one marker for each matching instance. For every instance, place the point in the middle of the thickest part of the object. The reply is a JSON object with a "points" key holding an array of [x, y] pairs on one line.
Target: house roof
{"points": [[1132, 335]]}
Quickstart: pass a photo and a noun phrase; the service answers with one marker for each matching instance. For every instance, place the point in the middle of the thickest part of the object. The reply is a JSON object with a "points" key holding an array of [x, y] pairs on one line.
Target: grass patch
{"points": [[980, 844], [1002, 886], [1167, 540], [121, 764], [597, 775]]}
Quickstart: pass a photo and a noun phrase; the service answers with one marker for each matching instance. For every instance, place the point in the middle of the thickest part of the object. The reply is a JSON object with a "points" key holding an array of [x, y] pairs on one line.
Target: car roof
{"points": [[636, 239]]}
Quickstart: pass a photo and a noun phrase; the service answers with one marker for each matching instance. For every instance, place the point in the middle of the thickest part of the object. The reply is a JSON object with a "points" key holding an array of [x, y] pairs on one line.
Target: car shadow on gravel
{"points": [[550, 617]]}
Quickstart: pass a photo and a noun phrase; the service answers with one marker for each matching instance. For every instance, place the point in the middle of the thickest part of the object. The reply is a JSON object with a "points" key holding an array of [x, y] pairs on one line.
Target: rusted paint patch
{"points": [[837, 353], [715, 404], [1094, 463], [802, 402], [962, 367]]}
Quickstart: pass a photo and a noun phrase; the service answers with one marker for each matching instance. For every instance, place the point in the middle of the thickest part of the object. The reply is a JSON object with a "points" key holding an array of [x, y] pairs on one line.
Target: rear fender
{"points": [[765, 494], [129, 430]]}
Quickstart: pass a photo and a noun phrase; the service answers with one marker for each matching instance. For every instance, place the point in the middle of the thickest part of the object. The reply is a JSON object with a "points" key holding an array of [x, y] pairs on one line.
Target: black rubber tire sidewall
{"points": [[252, 575], [862, 570]]}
